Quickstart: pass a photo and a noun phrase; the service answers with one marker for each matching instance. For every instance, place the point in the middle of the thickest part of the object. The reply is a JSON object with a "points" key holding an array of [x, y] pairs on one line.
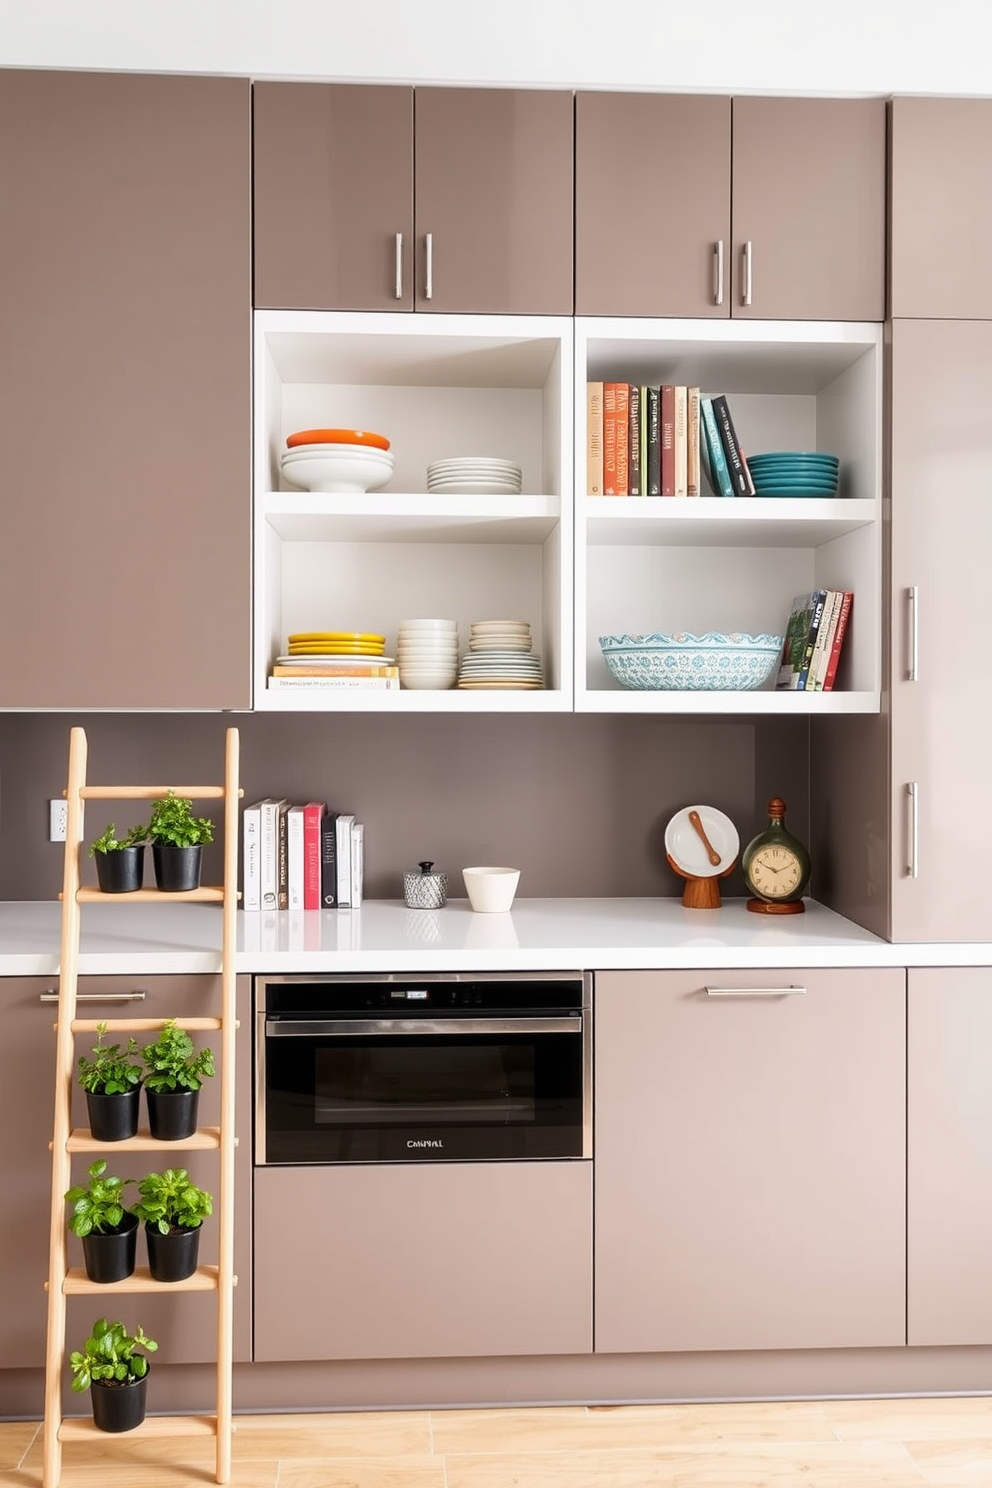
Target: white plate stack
{"points": [[499, 656], [474, 475], [427, 653]]}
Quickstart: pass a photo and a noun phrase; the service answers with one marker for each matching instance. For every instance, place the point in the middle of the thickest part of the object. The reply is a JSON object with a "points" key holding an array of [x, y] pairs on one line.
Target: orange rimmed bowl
{"points": [[337, 436]]}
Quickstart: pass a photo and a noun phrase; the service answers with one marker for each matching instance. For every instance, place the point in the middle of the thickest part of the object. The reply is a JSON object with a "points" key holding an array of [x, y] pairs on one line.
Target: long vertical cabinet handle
{"points": [[913, 830], [913, 622], [398, 286], [746, 266], [428, 266], [718, 273]]}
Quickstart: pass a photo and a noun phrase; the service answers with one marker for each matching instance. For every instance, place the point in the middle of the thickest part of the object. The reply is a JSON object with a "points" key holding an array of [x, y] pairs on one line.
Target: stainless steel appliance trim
{"points": [[445, 978], [355, 1027]]}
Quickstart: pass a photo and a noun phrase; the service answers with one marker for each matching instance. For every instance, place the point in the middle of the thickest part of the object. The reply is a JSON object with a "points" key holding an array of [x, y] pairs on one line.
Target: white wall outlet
{"points": [[58, 818]]}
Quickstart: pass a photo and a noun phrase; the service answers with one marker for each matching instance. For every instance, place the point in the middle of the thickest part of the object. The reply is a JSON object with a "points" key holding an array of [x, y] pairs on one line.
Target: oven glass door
{"points": [[443, 1090]]}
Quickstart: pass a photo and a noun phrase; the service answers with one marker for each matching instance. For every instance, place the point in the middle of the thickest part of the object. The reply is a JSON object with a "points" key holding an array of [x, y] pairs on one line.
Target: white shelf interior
{"points": [[712, 564]]}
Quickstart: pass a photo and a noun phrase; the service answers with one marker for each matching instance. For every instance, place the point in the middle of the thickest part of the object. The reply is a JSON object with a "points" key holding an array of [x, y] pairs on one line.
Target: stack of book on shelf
{"points": [[301, 856], [324, 660], [667, 440], [814, 638]]}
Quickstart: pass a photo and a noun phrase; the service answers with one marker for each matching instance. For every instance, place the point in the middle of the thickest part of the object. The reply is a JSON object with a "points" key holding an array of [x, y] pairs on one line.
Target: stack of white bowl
{"points": [[337, 461], [474, 475], [427, 653]]}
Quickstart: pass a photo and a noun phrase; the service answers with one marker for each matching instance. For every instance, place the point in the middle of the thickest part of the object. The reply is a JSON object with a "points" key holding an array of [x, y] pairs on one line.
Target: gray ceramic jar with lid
{"points": [[425, 889]]}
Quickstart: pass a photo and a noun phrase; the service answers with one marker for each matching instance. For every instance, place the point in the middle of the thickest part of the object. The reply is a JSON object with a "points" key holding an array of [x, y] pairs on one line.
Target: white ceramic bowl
{"points": [[427, 625], [714, 662], [338, 472], [438, 678], [491, 890]]}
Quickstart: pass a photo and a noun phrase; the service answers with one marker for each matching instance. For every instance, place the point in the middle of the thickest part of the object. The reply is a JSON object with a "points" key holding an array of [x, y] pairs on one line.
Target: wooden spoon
{"points": [[711, 852]]}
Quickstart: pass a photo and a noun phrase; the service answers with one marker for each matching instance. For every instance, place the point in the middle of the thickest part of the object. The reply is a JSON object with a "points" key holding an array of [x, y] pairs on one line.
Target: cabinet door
{"points": [[940, 218], [429, 1261], [950, 1156], [652, 204], [941, 536], [494, 200], [749, 1160], [125, 390], [809, 198], [333, 204]]}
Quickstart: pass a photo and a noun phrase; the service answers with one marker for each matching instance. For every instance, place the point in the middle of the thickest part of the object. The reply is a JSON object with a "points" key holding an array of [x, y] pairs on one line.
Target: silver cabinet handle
{"points": [[718, 273], [755, 991], [96, 997], [913, 616], [398, 287], [913, 835], [746, 262], [428, 266]]}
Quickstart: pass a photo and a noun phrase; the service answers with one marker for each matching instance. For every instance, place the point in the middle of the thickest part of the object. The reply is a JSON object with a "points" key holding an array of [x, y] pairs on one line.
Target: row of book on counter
{"points": [[814, 638], [301, 856], [661, 441]]}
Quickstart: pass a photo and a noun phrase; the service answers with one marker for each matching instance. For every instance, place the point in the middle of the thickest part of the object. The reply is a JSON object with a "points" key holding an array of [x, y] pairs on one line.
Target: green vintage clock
{"points": [[776, 866]]}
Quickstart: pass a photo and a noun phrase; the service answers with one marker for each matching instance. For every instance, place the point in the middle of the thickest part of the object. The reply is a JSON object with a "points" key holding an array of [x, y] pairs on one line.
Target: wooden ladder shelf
{"points": [[218, 1279]]}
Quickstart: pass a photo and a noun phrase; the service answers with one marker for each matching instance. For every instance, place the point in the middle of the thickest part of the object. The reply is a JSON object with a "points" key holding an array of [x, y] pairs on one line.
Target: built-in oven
{"points": [[444, 1068]]}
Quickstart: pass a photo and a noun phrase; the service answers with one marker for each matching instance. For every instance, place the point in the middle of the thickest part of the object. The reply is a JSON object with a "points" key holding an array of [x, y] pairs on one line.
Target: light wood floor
{"points": [[945, 1443]]}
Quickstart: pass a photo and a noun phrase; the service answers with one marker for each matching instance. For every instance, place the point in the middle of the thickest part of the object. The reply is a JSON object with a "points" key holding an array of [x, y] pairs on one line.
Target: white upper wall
{"points": [[784, 46]]}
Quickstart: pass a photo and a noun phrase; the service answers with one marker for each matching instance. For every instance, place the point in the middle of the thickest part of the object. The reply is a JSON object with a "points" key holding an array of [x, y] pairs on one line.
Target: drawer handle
{"points": [[746, 290], [398, 289], [96, 997], [428, 266], [913, 607], [755, 991], [718, 273], [913, 856]]}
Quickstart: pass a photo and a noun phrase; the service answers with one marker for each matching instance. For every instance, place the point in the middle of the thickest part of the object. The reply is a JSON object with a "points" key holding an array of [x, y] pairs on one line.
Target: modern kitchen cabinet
{"points": [[939, 214], [751, 208], [427, 1260], [183, 1324], [453, 200], [125, 390], [949, 1200], [940, 713], [750, 1147]]}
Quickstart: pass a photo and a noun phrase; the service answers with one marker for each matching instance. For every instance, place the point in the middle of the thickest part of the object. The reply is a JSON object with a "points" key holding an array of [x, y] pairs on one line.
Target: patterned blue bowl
{"points": [[692, 663]]}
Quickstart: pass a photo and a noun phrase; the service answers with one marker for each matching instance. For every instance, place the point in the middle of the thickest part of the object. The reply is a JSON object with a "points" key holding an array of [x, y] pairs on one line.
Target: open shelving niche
{"points": [[711, 564], [436, 386]]}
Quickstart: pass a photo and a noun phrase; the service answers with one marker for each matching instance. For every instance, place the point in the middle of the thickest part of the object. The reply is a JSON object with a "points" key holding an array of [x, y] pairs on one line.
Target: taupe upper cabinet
{"points": [[941, 712], [940, 213], [125, 390], [435, 199], [763, 208]]}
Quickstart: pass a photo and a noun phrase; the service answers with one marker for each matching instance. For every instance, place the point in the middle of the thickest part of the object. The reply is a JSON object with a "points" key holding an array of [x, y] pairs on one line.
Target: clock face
{"points": [[774, 872]]}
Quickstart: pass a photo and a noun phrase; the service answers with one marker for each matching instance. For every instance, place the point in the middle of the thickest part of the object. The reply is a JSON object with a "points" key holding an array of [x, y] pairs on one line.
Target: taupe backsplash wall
{"points": [[578, 803]]}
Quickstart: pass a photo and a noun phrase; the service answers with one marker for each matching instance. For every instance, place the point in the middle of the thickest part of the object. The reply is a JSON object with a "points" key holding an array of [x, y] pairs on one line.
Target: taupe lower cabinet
{"points": [[950, 1156], [184, 1328], [940, 215], [698, 205], [125, 390], [941, 711], [437, 1260], [750, 1159], [435, 199]]}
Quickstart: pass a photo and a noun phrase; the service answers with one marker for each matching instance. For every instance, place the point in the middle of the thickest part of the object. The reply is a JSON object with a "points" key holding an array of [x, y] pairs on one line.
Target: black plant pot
{"points": [[172, 1113], [109, 1255], [117, 1406], [177, 869], [122, 871], [113, 1118], [172, 1257]]}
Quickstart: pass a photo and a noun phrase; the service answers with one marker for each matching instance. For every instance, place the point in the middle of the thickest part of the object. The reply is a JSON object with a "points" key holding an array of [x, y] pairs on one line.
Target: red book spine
{"points": [[623, 439], [312, 813], [610, 438], [842, 619], [667, 402]]}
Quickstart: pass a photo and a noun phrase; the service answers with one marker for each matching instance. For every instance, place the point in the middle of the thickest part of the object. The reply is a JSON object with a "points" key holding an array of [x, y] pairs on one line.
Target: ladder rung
{"points": [[206, 1137], [148, 792], [204, 895], [144, 1025], [204, 1279], [81, 1428]]}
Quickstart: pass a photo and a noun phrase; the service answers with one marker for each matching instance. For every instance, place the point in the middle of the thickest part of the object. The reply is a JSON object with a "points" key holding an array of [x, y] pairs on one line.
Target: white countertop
{"points": [[537, 935]]}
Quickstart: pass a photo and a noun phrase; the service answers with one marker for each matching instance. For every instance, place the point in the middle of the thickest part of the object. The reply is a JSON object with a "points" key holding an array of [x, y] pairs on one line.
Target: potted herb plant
{"points": [[120, 861], [173, 1210], [106, 1227], [174, 1072], [177, 838], [111, 1078], [118, 1374]]}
